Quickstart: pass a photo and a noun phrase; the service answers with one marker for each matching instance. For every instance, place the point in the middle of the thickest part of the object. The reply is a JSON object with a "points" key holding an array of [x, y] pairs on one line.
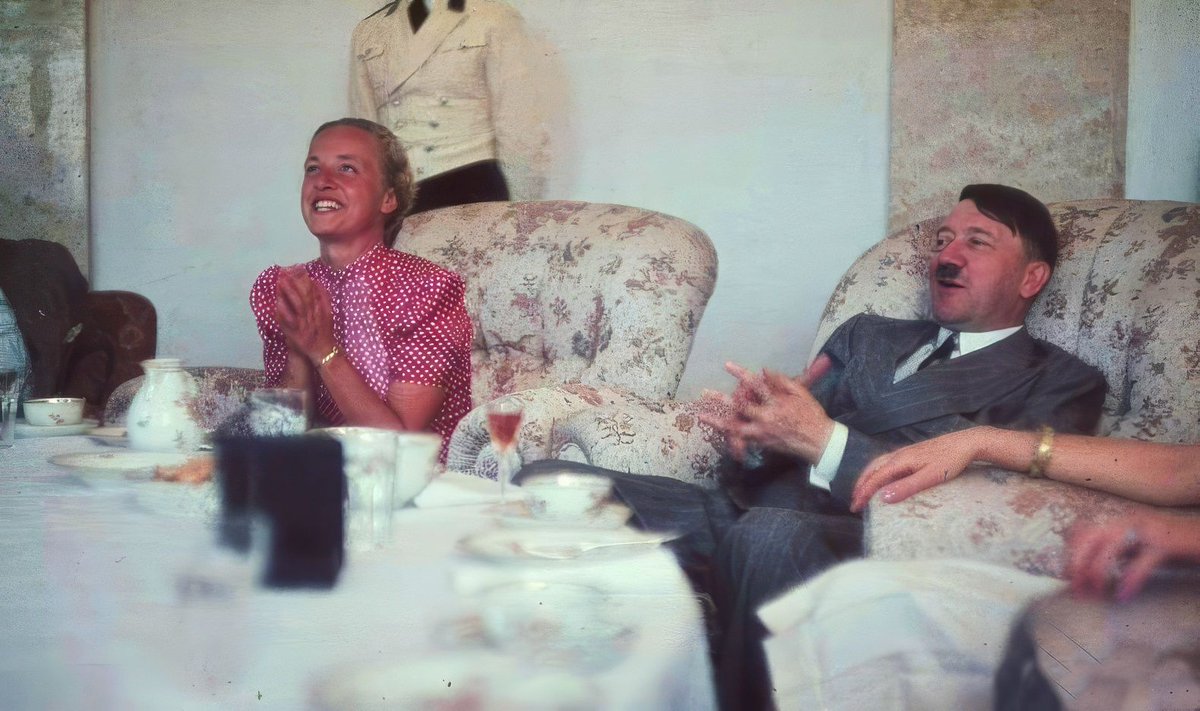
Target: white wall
{"points": [[1163, 146], [763, 123]]}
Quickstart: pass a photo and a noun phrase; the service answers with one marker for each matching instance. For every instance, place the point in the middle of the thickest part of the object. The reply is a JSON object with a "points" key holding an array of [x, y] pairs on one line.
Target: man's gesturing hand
{"points": [[776, 412]]}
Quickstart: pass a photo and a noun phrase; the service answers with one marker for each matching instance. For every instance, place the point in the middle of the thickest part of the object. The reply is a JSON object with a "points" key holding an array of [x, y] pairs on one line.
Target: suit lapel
{"points": [[963, 385], [440, 23], [878, 365]]}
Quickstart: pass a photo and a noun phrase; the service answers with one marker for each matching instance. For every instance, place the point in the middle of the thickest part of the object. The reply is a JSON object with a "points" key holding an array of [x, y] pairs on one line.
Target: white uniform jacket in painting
{"points": [[463, 89]]}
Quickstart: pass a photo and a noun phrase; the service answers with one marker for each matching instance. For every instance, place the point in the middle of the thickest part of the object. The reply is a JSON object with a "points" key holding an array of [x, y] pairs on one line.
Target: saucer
{"points": [[517, 514], [552, 544], [24, 430], [113, 431], [446, 680], [119, 460], [554, 625]]}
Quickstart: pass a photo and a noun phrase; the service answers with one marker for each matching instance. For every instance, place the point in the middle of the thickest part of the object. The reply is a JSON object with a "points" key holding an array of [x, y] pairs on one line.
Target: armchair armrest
{"points": [[642, 436], [604, 426], [991, 515], [471, 446]]}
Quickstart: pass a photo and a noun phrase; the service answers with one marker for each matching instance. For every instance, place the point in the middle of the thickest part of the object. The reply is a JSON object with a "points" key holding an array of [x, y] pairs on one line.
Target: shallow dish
{"points": [[53, 411], [448, 680], [112, 431], [558, 544], [26, 430], [120, 460], [554, 625]]}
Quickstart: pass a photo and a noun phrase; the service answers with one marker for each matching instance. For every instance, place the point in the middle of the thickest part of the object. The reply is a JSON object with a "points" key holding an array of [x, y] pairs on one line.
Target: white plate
{"points": [[448, 680], [551, 625], [551, 544], [119, 460], [25, 430], [516, 514], [108, 431]]}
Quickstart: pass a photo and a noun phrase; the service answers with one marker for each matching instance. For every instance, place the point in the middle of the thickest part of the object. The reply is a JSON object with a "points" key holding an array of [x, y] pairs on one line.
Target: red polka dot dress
{"points": [[397, 318]]}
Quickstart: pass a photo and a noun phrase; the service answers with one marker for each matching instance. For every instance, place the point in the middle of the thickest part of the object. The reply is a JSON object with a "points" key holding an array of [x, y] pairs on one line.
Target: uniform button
{"points": [[395, 102], [444, 101], [434, 124], [429, 149]]}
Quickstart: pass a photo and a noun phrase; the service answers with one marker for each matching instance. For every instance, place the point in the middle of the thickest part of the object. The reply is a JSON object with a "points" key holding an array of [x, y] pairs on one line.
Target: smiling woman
{"points": [[378, 337]]}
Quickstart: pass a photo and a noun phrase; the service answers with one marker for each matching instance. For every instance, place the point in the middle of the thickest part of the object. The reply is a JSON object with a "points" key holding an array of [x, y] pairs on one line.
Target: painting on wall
{"points": [[1030, 93], [43, 124]]}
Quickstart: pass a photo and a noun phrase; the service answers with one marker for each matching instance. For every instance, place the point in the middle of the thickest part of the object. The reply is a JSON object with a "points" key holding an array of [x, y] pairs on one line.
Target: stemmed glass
{"points": [[504, 421]]}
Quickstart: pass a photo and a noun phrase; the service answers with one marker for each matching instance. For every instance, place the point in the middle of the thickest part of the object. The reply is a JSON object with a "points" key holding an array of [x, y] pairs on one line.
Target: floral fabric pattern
{"points": [[221, 395], [1123, 298], [603, 298]]}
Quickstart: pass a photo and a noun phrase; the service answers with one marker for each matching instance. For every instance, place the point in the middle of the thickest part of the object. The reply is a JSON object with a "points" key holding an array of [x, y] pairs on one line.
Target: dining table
{"points": [[114, 594]]}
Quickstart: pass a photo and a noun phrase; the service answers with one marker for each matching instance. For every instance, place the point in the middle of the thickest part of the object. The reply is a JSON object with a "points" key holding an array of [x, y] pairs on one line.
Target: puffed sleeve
{"points": [[262, 303], [435, 343]]}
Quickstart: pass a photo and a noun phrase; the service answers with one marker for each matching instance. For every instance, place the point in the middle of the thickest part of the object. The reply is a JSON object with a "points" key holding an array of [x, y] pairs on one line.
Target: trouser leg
{"points": [[766, 553]]}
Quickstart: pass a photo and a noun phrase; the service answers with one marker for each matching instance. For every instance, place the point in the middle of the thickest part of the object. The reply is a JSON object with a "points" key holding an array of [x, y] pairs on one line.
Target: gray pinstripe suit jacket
{"points": [[1017, 383]]}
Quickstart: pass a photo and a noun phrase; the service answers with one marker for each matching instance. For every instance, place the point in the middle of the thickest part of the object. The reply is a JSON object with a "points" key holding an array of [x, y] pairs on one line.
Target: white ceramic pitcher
{"points": [[161, 417]]}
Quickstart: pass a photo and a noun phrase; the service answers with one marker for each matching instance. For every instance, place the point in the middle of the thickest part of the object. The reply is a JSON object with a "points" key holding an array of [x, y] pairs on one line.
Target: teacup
{"points": [[416, 463], [565, 495], [51, 411]]}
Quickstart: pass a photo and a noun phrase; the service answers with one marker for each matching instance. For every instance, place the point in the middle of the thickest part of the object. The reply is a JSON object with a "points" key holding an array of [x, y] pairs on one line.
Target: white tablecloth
{"points": [[923, 635], [112, 596]]}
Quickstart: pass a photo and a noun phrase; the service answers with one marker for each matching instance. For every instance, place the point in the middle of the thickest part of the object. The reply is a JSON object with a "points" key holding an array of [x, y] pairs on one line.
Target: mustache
{"points": [[947, 271]]}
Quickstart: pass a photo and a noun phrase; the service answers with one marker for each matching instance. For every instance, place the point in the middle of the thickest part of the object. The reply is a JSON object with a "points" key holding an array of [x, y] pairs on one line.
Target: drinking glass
{"points": [[504, 422], [369, 457], [278, 412]]}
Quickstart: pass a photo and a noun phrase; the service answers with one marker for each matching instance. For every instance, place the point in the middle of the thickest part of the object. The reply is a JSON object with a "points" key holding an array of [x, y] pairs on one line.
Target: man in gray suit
{"points": [[800, 444]]}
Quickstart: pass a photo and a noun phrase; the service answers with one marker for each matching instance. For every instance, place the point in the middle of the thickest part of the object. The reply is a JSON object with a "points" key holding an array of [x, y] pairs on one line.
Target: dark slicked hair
{"points": [[1020, 212], [393, 163]]}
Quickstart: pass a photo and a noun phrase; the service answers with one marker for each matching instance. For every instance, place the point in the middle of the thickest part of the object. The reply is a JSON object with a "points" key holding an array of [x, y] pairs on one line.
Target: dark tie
{"points": [[417, 12], [940, 353]]}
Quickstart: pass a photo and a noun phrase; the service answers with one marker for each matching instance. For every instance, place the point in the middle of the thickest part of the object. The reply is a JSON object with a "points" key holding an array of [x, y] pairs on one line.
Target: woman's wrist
{"points": [[316, 353], [324, 360], [983, 441]]}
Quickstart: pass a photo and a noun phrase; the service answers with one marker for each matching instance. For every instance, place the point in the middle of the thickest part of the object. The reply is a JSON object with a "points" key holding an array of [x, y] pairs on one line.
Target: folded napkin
{"points": [[458, 489]]}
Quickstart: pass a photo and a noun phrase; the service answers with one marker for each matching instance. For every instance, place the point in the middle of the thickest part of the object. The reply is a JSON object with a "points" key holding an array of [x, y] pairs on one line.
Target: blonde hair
{"points": [[393, 164]]}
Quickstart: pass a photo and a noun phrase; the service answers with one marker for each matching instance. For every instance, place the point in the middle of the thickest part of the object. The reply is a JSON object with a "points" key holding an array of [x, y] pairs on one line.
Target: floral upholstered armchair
{"points": [[576, 306], [1123, 298]]}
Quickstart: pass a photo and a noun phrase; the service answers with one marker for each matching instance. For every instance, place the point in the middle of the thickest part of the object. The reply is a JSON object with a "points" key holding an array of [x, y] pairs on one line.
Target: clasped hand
{"points": [[775, 412], [304, 313]]}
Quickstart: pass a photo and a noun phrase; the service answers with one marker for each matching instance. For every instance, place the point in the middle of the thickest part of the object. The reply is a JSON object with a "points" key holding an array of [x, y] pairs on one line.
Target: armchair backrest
{"points": [[1124, 298], [572, 291], [120, 330]]}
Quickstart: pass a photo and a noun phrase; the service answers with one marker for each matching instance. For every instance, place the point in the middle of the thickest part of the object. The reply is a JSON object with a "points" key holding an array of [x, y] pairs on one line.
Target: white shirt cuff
{"points": [[821, 473]]}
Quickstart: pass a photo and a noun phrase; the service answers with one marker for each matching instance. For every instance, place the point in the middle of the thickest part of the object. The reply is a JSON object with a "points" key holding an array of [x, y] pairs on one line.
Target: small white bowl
{"points": [[52, 411], [565, 495], [412, 455]]}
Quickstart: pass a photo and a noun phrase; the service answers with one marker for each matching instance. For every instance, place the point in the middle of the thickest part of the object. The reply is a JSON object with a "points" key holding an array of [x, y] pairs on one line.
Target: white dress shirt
{"points": [[824, 470]]}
